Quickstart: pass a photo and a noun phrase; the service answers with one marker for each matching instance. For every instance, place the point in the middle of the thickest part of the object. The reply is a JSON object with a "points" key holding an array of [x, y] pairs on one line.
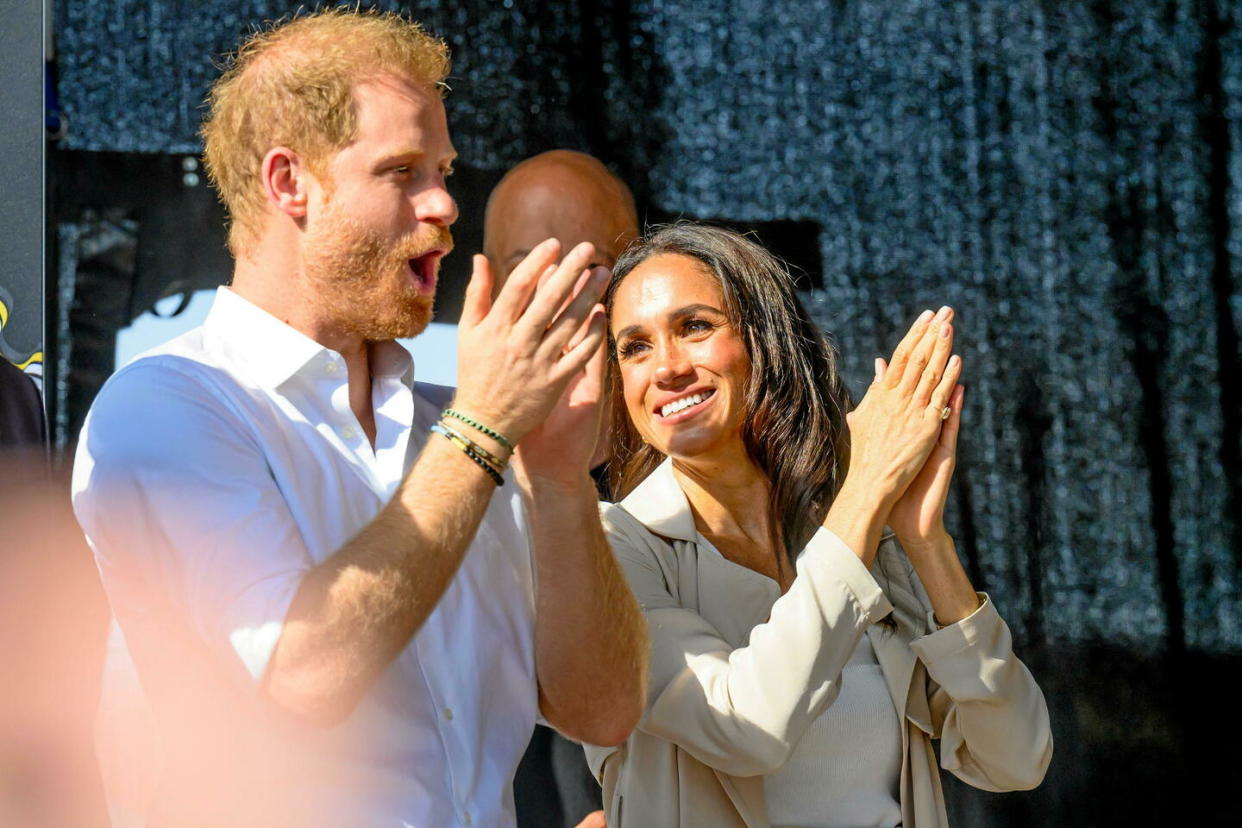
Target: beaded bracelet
{"points": [[490, 432], [496, 463], [472, 454]]}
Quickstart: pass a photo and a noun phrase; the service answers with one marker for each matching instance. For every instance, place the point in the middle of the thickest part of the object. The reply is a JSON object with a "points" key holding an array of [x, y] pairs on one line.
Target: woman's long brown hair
{"points": [[796, 401]]}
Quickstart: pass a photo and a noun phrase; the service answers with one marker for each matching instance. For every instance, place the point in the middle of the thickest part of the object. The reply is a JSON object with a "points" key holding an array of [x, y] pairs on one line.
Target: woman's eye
{"points": [[629, 349], [698, 325]]}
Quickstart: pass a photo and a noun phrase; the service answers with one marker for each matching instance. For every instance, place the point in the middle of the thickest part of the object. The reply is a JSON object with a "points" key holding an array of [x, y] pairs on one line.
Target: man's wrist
{"points": [[484, 428]]}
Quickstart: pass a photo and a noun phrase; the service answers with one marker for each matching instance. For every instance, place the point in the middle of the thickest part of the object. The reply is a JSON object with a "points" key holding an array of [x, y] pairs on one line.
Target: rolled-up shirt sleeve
{"points": [[988, 711], [186, 521]]}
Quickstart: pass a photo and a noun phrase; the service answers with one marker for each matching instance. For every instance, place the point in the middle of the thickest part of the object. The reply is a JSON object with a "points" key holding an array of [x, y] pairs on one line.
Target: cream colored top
{"points": [[738, 673], [846, 770]]}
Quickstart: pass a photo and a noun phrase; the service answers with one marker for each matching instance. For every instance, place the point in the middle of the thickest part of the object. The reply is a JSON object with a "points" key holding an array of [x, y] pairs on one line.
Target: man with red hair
{"points": [[344, 607]]}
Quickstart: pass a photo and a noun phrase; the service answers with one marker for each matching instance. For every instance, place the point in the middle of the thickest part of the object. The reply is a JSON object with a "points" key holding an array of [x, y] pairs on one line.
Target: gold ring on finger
{"points": [[945, 412]]}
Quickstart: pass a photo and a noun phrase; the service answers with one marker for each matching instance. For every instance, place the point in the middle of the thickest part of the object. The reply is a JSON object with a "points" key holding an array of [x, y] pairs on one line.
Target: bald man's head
{"points": [[565, 195]]}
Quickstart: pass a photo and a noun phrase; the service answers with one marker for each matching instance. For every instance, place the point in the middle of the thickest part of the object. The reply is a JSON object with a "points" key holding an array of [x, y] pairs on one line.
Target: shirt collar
{"points": [[659, 504], [272, 352]]}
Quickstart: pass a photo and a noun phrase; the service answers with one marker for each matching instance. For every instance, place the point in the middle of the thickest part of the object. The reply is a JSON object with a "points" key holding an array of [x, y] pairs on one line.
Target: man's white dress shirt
{"points": [[212, 473]]}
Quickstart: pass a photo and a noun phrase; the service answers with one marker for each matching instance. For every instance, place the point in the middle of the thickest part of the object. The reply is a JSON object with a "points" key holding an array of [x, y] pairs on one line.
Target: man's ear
{"points": [[286, 181]]}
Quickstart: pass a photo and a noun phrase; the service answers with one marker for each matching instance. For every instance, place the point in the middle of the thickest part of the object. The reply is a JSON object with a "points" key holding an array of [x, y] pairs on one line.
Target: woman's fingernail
{"points": [[925, 316], [945, 330]]}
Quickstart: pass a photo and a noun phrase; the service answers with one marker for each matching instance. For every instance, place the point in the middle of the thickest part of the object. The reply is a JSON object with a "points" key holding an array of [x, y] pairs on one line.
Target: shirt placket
{"points": [[449, 725]]}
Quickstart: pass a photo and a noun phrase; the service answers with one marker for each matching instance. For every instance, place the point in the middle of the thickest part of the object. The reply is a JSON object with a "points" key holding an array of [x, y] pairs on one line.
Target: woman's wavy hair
{"points": [[796, 401]]}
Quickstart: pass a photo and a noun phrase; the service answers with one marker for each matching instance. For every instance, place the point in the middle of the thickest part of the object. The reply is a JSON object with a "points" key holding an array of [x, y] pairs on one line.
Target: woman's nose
{"points": [[672, 366]]}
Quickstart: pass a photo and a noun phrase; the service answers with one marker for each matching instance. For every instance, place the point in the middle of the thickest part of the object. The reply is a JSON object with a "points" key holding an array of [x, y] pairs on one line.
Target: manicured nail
{"points": [[925, 316]]}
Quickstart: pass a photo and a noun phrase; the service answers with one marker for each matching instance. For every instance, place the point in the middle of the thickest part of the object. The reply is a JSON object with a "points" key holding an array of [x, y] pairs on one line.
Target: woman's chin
{"points": [[689, 444]]}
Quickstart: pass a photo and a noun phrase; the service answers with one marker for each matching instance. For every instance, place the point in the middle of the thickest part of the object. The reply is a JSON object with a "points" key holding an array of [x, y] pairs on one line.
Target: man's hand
{"points": [[517, 354], [560, 449]]}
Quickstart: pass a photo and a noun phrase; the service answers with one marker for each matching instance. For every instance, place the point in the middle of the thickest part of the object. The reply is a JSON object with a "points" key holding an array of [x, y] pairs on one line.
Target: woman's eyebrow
{"points": [[628, 330], [691, 310], [673, 316]]}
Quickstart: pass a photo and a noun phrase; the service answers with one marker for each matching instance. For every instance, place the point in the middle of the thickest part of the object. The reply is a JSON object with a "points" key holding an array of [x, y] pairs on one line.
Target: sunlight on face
{"points": [[684, 367]]}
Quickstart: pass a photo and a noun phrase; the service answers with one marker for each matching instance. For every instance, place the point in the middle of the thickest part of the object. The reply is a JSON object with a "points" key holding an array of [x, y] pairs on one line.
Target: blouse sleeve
{"points": [[986, 707], [743, 710]]}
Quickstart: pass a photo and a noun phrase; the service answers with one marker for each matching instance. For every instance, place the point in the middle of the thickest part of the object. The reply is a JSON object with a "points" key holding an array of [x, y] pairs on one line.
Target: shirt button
{"points": [[466, 818], [349, 432], [448, 714], [330, 368]]}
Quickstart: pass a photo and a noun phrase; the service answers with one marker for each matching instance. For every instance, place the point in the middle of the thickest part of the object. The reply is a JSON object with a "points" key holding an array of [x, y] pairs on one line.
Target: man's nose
{"points": [[436, 206]]}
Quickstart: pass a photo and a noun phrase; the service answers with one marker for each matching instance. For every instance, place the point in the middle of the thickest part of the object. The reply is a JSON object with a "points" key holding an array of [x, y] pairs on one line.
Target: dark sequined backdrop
{"points": [[1064, 174]]}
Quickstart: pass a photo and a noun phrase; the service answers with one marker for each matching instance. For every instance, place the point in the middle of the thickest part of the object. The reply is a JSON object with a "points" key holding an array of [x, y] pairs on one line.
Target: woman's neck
{"points": [[729, 496]]}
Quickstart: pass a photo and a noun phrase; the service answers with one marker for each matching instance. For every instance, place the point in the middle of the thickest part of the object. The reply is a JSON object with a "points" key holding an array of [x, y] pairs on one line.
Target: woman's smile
{"points": [[685, 406], [684, 367]]}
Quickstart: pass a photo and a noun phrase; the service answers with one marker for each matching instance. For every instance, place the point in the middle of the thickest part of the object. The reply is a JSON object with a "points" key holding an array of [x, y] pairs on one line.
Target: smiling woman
{"points": [[812, 630], [684, 293]]}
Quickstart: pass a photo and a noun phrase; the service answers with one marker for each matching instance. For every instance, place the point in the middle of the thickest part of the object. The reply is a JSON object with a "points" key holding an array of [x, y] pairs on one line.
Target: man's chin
{"points": [[417, 325], [411, 321]]}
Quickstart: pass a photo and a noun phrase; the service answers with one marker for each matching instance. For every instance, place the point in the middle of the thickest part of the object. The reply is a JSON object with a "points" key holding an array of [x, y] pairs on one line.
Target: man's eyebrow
{"points": [[411, 153]]}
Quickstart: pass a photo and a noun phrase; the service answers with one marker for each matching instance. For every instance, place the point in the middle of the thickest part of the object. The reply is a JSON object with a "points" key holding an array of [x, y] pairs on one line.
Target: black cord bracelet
{"points": [[472, 454]]}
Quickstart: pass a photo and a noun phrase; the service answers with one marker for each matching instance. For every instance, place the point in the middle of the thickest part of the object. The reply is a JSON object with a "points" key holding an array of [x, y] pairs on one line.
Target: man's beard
{"points": [[362, 281]]}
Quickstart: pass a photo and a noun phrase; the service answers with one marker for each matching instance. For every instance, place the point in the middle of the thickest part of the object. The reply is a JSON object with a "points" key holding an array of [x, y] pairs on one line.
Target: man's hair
{"points": [[291, 84], [796, 401]]}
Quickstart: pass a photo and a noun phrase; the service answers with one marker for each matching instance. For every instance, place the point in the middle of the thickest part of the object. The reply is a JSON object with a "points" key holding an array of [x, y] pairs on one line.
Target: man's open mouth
{"points": [[423, 269]]}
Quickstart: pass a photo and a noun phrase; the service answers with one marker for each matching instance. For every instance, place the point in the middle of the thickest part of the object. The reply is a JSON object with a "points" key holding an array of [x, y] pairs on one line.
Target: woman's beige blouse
{"points": [[738, 673]]}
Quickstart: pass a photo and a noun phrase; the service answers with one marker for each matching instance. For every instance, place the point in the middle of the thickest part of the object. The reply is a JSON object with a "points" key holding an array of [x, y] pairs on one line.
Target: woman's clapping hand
{"points": [[899, 425]]}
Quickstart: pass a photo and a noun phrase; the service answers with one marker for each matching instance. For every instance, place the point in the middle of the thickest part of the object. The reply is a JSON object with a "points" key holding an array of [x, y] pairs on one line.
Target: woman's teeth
{"points": [[685, 402]]}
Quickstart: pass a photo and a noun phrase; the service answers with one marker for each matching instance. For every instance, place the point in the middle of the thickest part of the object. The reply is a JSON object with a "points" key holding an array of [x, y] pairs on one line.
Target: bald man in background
{"points": [[559, 194], [572, 197]]}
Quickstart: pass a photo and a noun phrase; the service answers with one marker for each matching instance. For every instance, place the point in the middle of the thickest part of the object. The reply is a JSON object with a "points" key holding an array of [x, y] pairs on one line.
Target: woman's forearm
{"points": [[938, 567], [857, 517]]}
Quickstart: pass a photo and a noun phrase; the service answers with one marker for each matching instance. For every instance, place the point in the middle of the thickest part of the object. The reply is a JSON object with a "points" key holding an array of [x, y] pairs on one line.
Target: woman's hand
{"points": [[898, 423], [917, 517]]}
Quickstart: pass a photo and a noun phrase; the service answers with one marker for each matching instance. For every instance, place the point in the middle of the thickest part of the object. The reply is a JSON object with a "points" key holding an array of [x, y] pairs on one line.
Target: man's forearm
{"points": [[590, 636], [355, 612]]}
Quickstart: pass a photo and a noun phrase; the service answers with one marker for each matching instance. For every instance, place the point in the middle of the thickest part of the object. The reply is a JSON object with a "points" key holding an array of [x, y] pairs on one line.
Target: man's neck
{"points": [[277, 285]]}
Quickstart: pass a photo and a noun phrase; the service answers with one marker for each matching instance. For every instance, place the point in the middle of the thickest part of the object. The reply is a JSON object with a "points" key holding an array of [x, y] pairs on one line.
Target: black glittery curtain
{"points": [[1064, 174]]}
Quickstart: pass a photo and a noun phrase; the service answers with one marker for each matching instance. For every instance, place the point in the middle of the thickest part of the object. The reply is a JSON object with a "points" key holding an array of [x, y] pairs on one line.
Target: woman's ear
{"points": [[285, 181]]}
